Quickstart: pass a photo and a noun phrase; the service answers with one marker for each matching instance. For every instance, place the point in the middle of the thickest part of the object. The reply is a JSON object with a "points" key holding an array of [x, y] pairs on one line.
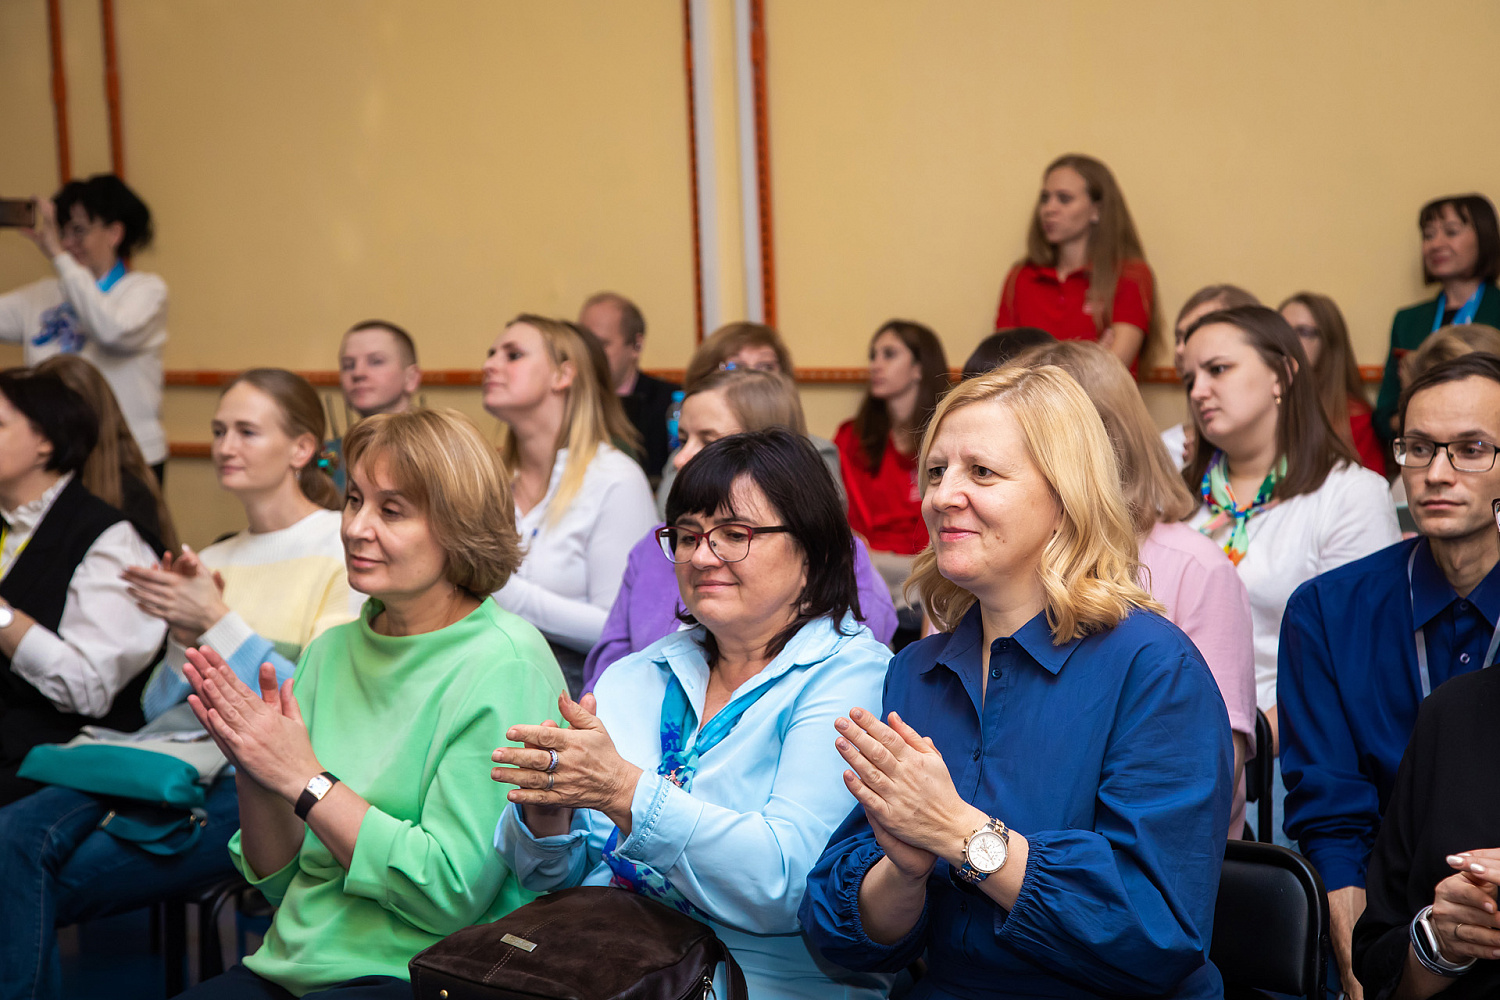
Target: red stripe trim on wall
{"points": [[59, 91]]}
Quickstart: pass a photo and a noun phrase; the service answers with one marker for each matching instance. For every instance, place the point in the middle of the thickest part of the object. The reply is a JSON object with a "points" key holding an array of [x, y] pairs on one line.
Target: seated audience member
{"points": [[1002, 345], [1363, 645], [1182, 439], [733, 347], [96, 305], [1085, 276], [1046, 810], [724, 827], [1280, 492], [1460, 253], [648, 605], [1184, 571], [256, 597], [878, 448], [71, 639], [621, 330], [362, 816], [1317, 321], [1430, 926], [378, 373], [580, 501], [116, 471]]}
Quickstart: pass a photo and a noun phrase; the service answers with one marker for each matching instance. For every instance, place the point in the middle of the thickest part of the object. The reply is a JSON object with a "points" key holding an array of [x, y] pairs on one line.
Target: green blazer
{"points": [[1412, 326]]}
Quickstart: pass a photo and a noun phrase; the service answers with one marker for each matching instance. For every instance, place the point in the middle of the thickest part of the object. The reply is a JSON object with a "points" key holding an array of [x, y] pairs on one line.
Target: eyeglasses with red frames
{"points": [[729, 542]]}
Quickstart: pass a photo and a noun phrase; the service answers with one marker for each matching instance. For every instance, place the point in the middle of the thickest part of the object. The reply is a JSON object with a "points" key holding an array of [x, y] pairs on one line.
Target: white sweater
{"points": [[1347, 518], [121, 331], [573, 565]]}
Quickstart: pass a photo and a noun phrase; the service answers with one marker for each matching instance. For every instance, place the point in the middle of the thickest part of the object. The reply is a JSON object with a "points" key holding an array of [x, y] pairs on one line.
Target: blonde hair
{"points": [[1090, 567], [443, 465], [116, 454], [758, 399], [1153, 488], [592, 413], [1448, 343]]}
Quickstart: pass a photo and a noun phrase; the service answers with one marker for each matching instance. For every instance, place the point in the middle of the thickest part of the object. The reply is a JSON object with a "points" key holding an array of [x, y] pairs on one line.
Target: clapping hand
{"points": [[261, 734], [181, 592], [1463, 907]]}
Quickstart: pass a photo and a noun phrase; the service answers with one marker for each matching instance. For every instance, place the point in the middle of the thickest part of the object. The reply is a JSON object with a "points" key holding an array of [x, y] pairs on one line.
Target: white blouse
{"points": [[574, 563], [1347, 518]]}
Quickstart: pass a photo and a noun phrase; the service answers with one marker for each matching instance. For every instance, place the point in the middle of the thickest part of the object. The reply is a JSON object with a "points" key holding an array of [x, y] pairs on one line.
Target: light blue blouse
{"points": [[763, 804]]}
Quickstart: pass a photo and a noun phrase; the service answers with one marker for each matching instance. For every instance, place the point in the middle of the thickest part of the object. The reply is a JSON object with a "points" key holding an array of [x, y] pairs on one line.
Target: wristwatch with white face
{"points": [[318, 786], [7, 615], [985, 852]]}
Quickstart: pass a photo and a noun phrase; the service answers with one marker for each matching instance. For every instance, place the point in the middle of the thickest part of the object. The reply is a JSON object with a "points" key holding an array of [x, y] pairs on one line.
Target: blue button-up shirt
{"points": [[1112, 755], [1348, 691]]}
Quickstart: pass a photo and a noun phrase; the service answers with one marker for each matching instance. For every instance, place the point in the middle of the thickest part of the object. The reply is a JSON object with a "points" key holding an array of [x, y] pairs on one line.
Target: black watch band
{"points": [[313, 794]]}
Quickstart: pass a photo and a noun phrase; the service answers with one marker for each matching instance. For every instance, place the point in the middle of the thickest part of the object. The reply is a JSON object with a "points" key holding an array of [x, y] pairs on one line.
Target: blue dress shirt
{"points": [[763, 801], [1348, 692], [1112, 755]]}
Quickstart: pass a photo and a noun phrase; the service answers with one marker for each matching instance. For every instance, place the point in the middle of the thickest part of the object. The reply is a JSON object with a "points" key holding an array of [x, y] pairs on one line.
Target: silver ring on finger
{"points": [[551, 764], [1456, 928], [550, 779]]}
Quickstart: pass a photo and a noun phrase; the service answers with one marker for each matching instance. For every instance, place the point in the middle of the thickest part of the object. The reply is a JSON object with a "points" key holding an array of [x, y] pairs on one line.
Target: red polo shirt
{"points": [[885, 506], [1033, 296]]}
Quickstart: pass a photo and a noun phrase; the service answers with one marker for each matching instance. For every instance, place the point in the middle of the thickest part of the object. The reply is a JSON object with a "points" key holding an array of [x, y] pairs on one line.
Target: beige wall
{"points": [[447, 163]]}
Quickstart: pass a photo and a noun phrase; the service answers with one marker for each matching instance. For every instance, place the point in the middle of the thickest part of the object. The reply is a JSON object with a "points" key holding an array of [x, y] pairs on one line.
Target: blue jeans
{"points": [[60, 868], [239, 983]]}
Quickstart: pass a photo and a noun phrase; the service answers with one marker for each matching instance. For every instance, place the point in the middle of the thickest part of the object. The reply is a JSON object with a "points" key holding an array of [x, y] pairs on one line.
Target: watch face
{"points": [[986, 851], [319, 786]]}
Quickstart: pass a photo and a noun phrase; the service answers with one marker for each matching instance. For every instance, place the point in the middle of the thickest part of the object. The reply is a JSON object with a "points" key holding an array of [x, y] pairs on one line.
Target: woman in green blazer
{"points": [[1460, 251]]}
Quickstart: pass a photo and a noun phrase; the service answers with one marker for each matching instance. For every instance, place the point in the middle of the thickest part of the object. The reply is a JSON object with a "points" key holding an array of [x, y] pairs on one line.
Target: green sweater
{"points": [[1412, 326], [409, 723]]}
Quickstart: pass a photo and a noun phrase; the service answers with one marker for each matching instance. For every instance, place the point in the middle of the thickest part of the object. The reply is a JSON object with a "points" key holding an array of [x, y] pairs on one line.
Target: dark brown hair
{"points": [[1304, 437], [1475, 364], [1003, 345], [727, 341], [1227, 296], [872, 422], [301, 413], [1478, 212], [1336, 373]]}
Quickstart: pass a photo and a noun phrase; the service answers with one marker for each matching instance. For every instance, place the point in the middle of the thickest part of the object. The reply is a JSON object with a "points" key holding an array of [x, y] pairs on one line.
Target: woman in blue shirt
{"points": [[706, 779], [1045, 813]]}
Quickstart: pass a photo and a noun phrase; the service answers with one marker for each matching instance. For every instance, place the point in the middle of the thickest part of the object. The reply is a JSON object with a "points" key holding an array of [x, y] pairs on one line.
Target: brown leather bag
{"points": [[588, 943]]}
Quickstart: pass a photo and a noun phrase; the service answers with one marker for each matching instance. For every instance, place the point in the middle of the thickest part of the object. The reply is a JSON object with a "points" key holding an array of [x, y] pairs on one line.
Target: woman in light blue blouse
{"points": [[1045, 812], [706, 779]]}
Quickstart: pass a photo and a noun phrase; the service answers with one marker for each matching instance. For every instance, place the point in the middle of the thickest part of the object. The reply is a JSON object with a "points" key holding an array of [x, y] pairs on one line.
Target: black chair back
{"points": [[1270, 923], [1260, 776]]}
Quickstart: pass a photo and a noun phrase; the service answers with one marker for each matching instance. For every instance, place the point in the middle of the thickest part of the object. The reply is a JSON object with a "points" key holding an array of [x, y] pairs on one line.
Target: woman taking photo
{"points": [[1183, 570], [1061, 748], [1318, 323], [371, 749], [648, 607], [1085, 275], [1278, 490], [256, 597], [115, 317], [580, 501], [705, 779], [1461, 253]]}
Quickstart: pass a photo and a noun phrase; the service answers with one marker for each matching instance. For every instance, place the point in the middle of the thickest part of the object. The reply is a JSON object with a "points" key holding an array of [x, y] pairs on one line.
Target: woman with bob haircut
{"points": [[360, 816], [255, 597], [580, 501], [1461, 253], [647, 607], [1183, 570], [1084, 276], [1044, 810], [116, 471], [1318, 323], [703, 777]]}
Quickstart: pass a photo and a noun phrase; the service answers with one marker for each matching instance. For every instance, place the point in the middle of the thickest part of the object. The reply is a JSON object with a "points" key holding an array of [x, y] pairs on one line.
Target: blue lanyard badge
{"points": [[115, 274], [1464, 315]]}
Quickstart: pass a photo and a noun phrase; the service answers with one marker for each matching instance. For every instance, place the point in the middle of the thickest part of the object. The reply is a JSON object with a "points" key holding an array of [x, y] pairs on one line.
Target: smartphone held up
{"points": [[18, 213]]}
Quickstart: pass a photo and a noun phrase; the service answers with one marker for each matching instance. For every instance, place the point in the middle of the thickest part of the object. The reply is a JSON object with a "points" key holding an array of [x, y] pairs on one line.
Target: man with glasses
{"points": [[1362, 645]]}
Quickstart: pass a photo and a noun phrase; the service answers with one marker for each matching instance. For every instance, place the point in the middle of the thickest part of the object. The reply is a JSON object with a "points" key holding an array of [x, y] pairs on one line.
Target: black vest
{"points": [[38, 585]]}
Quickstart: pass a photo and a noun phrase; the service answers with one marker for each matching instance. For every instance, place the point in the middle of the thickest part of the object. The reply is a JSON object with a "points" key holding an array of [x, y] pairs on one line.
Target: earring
{"points": [[1277, 397]]}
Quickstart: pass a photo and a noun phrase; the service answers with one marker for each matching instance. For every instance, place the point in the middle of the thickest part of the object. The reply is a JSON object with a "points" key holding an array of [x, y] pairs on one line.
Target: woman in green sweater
{"points": [[1461, 252], [405, 706]]}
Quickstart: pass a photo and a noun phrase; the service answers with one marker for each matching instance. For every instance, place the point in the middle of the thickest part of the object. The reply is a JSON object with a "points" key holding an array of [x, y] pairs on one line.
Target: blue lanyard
{"points": [[1464, 314], [118, 271], [1421, 638]]}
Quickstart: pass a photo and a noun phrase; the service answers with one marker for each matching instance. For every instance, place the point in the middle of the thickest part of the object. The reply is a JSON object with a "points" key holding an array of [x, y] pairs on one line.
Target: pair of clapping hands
{"points": [[1464, 907], [181, 591]]}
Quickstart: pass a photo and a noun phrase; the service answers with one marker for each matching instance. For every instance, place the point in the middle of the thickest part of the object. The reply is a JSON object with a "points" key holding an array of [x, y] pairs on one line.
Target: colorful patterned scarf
{"points": [[1219, 498]]}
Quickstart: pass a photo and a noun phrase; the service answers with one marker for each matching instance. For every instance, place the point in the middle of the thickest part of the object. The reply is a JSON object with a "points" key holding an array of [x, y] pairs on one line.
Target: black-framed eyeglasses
{"points": [[1465, 456], [729, 542]]}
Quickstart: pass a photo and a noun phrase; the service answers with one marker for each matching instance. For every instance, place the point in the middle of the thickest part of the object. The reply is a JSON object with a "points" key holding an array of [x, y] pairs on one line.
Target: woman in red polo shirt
{"points": [[878, 448], [1085, 275]]}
